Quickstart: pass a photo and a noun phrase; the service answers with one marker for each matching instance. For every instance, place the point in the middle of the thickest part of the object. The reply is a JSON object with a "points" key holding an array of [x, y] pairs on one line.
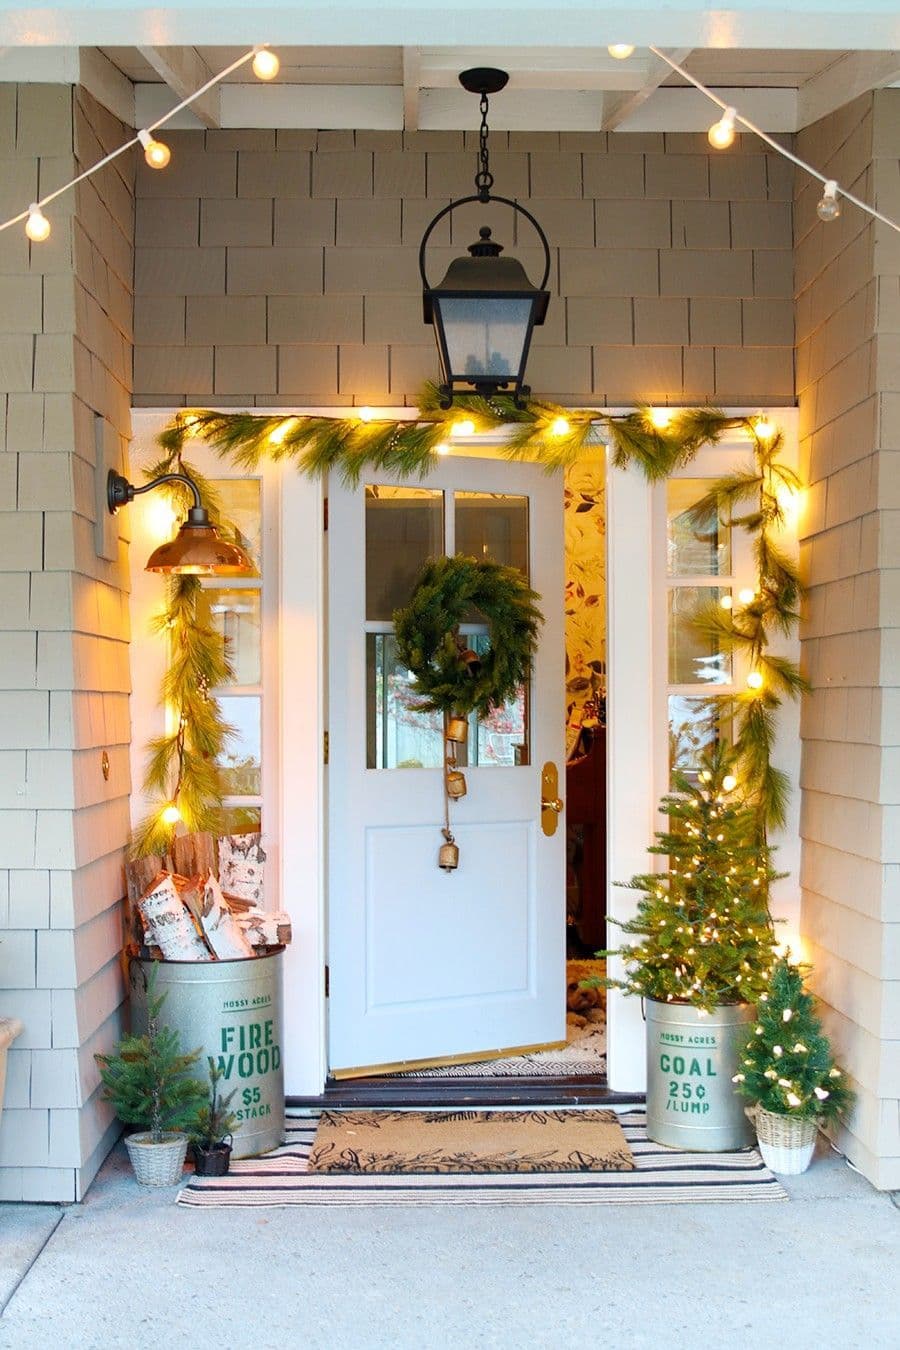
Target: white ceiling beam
{"points": [[871, 25], [513, 110], [412, 67], [844, 80], [686, 109], [617, 108], [184, 71], [108, 85]]}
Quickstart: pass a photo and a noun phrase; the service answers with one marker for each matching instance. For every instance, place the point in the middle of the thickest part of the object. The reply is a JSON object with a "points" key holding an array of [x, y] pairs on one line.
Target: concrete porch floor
{"points": [[129, 1268]]}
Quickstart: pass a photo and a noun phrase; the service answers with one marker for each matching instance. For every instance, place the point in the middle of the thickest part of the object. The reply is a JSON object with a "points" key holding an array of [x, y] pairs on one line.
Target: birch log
{"points": [[168, 924]]}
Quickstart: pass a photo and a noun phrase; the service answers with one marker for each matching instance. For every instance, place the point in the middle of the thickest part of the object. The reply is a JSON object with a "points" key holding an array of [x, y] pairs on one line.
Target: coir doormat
{"points": [[660, 1176], [488, 1142]]}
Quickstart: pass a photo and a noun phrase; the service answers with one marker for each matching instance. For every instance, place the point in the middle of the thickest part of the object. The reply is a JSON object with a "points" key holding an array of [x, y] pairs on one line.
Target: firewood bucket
{"points": [[230, 1010]]}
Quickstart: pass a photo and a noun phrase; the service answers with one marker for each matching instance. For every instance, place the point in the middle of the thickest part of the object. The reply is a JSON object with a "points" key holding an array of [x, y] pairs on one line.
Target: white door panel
{"points": [[427, 964]]}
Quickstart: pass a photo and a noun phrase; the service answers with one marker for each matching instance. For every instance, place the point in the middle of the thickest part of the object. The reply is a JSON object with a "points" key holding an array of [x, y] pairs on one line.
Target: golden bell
{"points": [[448, 857], [456, 783], [457, 730]]}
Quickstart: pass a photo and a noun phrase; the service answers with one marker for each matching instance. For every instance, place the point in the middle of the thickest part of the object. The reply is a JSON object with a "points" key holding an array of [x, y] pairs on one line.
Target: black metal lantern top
{"points": [[485, 309]]}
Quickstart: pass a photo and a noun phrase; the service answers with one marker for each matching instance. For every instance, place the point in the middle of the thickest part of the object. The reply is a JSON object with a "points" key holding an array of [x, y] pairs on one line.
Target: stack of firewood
{"points": [[202, 903]]}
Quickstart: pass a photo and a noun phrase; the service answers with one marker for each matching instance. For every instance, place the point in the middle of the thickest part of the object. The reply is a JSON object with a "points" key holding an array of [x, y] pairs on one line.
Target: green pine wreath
{"points": [[427, 629]]}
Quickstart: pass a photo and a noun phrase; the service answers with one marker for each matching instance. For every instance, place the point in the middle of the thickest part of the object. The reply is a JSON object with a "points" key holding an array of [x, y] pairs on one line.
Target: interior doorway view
{"points": [[474, 974]]}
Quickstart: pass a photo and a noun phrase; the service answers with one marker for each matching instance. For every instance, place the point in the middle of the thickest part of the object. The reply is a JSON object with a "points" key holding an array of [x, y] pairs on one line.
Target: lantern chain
{"points": [[484, 179]]}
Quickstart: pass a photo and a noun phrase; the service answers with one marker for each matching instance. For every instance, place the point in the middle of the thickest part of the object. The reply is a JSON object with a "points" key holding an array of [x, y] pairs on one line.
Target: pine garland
{"points": [[786, 1066], [427, 630], [182, 775]]}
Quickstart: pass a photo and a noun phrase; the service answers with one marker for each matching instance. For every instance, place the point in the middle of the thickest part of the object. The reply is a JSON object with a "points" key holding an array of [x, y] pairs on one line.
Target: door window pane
{"points": [[234, 613], [695, 726], [694, 657], [241, 512], [404, 527], [398, 735], [493, 525], [694, 548], [241, 759]]}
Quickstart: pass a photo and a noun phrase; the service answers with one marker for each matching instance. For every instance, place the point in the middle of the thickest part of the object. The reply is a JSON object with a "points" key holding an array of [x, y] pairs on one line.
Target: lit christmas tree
{"points": [[704, 930], [787, 1066]]}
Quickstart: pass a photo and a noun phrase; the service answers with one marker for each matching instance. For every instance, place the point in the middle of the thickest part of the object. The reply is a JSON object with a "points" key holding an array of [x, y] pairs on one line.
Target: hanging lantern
{"points": [[485, 310]]}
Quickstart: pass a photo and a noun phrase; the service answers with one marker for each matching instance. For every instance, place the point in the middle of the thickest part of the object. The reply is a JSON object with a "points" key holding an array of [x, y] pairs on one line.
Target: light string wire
{"points": [[135, 140], [757, 131]]}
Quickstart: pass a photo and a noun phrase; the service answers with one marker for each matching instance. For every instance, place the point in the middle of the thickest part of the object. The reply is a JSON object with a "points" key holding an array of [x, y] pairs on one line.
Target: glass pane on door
{"points": [[694, 547], [404, 527], [398, 734], [694, 656], [493, 525]]}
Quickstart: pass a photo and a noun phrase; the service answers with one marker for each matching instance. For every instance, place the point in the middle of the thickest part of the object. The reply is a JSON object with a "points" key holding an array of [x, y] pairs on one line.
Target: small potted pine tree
{"points": [[212, 1129], [147, 1081], [788, 1073], [704, 946]]}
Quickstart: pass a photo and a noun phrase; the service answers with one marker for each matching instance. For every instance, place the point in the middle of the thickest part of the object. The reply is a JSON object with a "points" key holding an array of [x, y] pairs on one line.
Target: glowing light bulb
{"points": [[442, 449], [788, 499], [464, 427], [764, 428], [787, 1014], [160, 518], [754, 680], [726, 601], [37, 226], [746, 596], [793, 1099], [170, 815], [660, 417], [721, 133], [365, 414], [277, 436], [156, 153], [620, 50], [560, 426], [266, 64], [729, 782], [821, 1094], [829, 207]]}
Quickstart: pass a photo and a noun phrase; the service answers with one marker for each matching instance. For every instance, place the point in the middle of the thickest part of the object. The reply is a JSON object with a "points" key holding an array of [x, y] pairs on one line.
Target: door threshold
{"points": [[473, 1092]]}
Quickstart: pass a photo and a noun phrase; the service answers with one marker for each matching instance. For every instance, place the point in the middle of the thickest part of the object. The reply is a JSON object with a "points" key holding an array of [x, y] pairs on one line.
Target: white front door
{"points": [[429, 965]]}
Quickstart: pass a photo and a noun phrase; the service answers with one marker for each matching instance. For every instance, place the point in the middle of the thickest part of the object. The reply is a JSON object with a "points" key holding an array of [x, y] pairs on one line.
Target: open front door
{"points": [[430, 966]]}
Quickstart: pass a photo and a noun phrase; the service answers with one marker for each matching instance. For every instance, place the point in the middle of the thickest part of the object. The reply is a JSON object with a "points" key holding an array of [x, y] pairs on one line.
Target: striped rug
{"points": [[661, 1176]]}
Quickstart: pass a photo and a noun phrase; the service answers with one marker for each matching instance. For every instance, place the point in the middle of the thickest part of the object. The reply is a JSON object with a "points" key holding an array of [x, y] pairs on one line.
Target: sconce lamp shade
{"points": [[198, 549]]}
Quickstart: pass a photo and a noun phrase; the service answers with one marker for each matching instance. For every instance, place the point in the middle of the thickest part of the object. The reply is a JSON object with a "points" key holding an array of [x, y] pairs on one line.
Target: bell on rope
{"points": [[457, 729], [472, 661], [448, 854], [456, 783]]}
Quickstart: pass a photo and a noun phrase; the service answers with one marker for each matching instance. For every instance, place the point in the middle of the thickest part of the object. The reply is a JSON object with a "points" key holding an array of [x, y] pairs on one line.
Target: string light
{"points": [[754, 680], [729, 783], [170, 815], [721, 133], [776, 146], [746, 596], [764, 428], [726, 601], [560, 426], [37, 226], [277, 436], [365, 414], [829, 208], [660, 418], [464, 427], [266, 64], [620, 50], [442, 448], [156, 153]]}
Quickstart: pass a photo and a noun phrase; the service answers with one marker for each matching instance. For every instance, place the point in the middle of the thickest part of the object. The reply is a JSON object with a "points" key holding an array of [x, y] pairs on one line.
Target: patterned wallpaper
{"points": [[585, 534]]}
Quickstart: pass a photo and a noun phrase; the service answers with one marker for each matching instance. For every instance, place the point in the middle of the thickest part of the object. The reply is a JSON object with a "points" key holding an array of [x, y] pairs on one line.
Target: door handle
{"points": [[551, 802]]}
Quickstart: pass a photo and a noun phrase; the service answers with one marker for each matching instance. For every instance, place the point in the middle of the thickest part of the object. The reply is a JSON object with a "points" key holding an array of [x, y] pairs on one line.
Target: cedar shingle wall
{"points": [[848, 322], [64, 357], [282, 267]]}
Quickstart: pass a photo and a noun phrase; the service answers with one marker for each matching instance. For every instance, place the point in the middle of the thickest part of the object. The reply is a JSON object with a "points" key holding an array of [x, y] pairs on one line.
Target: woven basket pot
{"points": [[786, 1144], [157, 1164]]}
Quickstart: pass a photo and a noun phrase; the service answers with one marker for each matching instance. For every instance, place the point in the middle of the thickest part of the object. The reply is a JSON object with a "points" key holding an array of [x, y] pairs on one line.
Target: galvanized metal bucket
{"points": [[230, 1010], [691, 1057]]}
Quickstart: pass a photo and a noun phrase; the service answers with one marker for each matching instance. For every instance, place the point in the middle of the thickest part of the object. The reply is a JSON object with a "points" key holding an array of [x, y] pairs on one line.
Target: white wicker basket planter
{"points": [[786, 1144], [157, 1164]]}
